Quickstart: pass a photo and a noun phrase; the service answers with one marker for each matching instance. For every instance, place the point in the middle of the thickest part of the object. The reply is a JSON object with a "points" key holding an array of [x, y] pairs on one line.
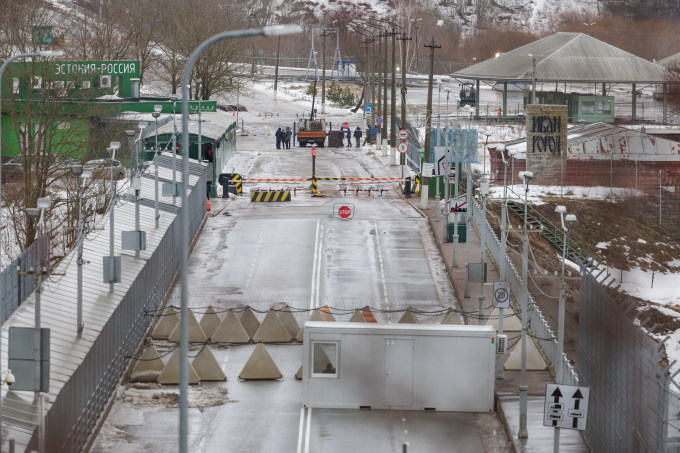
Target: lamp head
{"points": [[114, 145], [76, 170], [51, 53], [526, 176], [9, 378], [142, 125], [279, 30], [570, 218], [561, 209], [174, 97], [44, 203], [33, 213]]}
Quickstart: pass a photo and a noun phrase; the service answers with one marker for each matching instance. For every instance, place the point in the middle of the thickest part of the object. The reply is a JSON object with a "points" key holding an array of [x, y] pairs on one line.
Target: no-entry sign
{"points": [[402, 134]]}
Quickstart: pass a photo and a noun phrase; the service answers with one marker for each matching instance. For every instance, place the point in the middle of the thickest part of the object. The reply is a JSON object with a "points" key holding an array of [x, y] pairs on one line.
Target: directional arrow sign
{"points": [[368, 107], [566, 406]]}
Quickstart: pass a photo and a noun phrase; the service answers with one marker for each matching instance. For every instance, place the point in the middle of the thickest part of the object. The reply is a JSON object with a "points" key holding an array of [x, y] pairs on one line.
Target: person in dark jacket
{"points": [[287, 135], [279, 136], [349, 137], [357, 135]]}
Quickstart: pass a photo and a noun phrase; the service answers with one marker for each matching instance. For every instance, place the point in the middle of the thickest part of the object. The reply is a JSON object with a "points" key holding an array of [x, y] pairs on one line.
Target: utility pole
{"points": [[403, 39], [323, 70], [378, 107], [385, 111], [393, 103], [428, 128], [276, 70]]}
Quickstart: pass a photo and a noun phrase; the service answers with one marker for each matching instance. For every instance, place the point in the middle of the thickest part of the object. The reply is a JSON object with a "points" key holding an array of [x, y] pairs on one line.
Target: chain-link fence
{"points": [[634, 396], [14, 288]]}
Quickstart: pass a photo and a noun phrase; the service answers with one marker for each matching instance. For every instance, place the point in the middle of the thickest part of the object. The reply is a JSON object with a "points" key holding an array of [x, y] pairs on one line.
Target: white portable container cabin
{"points": [[398, 366]]}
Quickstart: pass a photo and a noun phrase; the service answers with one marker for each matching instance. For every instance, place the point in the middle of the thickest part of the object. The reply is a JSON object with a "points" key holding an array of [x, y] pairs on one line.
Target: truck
{"points": [[312, 130]]}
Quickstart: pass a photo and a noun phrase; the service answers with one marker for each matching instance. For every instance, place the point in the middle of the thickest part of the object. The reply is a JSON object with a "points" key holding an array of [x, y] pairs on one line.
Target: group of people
{"points": [[357, 136], [283, 138]]}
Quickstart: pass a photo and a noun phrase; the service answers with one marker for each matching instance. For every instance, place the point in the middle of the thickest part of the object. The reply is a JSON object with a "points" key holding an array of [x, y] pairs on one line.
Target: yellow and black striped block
{"points": [[270, 196], [315, 188], [237, 181]]}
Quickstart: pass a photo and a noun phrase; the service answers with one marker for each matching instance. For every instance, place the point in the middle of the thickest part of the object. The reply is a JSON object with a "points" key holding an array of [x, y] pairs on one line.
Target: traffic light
{"points": [[313, 151]]}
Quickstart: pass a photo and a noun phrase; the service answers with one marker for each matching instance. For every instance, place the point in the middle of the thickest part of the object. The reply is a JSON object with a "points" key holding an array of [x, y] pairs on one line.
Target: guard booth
{"points": [[398, 366]]}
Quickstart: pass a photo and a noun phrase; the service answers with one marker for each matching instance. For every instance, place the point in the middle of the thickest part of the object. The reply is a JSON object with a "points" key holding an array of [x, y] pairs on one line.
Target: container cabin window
{"points": [[325, 359], [604, 108], [588, 107]]}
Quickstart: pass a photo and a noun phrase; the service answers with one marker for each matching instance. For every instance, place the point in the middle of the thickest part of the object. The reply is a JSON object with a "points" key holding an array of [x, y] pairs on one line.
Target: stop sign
{"points": [[345, 125], [344, 212]]}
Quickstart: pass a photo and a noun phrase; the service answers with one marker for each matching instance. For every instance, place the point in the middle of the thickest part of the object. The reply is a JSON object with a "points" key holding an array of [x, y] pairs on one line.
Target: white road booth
{"points": [[398, 366]]}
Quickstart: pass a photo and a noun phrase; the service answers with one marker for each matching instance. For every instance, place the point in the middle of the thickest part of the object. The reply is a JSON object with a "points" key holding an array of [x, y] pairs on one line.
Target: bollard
{"points": [[357, 191], [407, 187], [369, 191]]}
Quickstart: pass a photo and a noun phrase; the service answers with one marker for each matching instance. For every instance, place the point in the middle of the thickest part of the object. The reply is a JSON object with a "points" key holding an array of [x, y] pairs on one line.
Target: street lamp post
{"points": [[468, 217], [77, 171], [156, 113], [503, 263], [448, 172], [275, 30], [200, 147], [559, 366], [439, 129], [113, 146], [526, 177], [173, 98], [416, 24], [484, 193]]}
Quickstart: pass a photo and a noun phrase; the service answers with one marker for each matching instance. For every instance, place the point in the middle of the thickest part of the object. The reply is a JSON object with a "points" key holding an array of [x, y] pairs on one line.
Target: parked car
{"points": [[101, 168]]}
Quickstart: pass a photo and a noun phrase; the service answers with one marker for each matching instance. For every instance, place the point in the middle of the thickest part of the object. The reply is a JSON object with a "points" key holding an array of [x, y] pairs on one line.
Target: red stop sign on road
{"points": [[344, 212], [345, 125]]}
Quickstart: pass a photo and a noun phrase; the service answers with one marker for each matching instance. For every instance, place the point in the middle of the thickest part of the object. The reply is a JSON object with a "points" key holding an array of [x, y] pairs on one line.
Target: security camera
{"points": [[10, 379]]}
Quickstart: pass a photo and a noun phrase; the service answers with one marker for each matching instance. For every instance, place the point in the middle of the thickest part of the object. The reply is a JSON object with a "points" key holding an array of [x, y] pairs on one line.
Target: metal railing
{"points": [[539, 328]]}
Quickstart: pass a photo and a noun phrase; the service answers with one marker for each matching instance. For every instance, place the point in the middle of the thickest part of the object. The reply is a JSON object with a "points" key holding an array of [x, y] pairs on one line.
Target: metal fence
{"points": [[634, 399], [539, 328], [14, 289], [81, 402]]}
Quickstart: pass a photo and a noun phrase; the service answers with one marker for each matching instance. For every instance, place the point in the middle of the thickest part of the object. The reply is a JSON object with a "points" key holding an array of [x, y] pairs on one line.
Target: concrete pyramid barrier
{"points": [[510, 323], [230, 330], [206, 366], [298, 375], [301, 335], [409, 318], [260, 366], [196, 334], [316, 316], [452, 317], [271, 330], [535, 360], [249, 322], [170, 374], [326, 314], [210, 322], [289, 322], [357, 316], [166, 324], [149, 361], [148, 367]]}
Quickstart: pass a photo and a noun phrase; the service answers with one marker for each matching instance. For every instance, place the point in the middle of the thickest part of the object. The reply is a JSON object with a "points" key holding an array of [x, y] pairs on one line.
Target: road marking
{"points": [[300, 429], [307, 434], [318, 269], [316, 250], [380, 260]]}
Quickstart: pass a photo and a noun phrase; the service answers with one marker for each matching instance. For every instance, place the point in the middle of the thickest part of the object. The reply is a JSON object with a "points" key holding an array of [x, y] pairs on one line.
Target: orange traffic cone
{"points": [[233, 113], [207, 205]]}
